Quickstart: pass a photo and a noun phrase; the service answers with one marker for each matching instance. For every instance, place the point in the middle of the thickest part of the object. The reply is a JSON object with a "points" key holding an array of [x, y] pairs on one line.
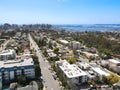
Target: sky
{"points": [[60, 11]]}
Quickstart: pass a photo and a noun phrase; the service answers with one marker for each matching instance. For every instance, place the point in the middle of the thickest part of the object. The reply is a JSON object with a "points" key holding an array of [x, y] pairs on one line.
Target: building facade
{"points": [[7, 55], [114, 64], [72, 72], [11, 69], [75, 45]]}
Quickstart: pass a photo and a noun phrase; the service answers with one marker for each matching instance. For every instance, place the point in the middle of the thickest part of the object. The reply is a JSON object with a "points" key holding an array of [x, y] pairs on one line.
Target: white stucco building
{"points": [[114, 64], [100, 72], [72, 72], [7, 55], [75, 45], [89, 55], [64, 42]]}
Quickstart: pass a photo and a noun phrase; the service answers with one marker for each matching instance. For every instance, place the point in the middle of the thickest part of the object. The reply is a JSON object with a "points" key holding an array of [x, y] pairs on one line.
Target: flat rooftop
{"points": [[90, 54], [7, 52], [100, 71], [16, 63], [84, 64], [114, 61], [64, 41], [71, 70], [76, 42]]}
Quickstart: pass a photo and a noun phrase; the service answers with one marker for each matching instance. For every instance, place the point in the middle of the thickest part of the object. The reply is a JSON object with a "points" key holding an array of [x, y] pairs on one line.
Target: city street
{"points": [[49, 82]]}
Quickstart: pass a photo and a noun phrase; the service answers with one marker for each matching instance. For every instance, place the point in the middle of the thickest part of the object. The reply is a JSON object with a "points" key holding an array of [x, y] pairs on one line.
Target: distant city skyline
{"points": [[60, 11]]}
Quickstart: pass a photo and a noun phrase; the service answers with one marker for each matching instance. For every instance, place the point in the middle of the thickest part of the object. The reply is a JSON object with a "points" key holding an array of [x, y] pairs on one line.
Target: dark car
{"points": [[54, 77]]}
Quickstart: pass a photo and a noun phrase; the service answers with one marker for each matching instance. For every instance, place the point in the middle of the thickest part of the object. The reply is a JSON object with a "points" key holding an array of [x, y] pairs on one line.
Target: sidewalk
{"points": [[44, 88]]}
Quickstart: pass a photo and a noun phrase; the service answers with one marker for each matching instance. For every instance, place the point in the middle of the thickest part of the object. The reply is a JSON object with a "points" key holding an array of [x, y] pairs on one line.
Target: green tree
{"points": [[56, 50], [50, 45], [37, 71], [32, 83], [45, 53], [35, 59], [110, 79], [21, 79], [40, 86], [71, 60]]}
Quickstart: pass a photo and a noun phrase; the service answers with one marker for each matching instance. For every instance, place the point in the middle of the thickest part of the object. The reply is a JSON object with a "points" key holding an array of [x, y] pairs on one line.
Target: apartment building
{"points": [[72, 72], [75, 45], [9, 54], [114, 64], [14, 68], [100, 72]]}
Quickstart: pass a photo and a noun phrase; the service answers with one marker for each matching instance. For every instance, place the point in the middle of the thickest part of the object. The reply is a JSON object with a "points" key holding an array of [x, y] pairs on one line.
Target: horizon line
{"points": [[62, 24]]}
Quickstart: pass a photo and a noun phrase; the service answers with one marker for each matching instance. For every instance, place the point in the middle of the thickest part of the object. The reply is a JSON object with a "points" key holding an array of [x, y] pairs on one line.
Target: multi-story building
{"points": [[100, 72], [90, 55], [75, 45], [7, 55], [72, 72], [114, 64], [93, 70], [11, 69]]}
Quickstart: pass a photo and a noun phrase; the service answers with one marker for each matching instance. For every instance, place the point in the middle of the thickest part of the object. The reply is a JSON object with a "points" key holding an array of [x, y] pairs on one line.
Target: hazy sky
{"points": [[60, 11]]}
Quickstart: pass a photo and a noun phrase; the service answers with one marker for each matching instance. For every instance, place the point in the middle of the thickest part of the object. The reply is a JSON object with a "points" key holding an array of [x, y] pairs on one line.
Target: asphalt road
{"points": [[49, 82]]}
